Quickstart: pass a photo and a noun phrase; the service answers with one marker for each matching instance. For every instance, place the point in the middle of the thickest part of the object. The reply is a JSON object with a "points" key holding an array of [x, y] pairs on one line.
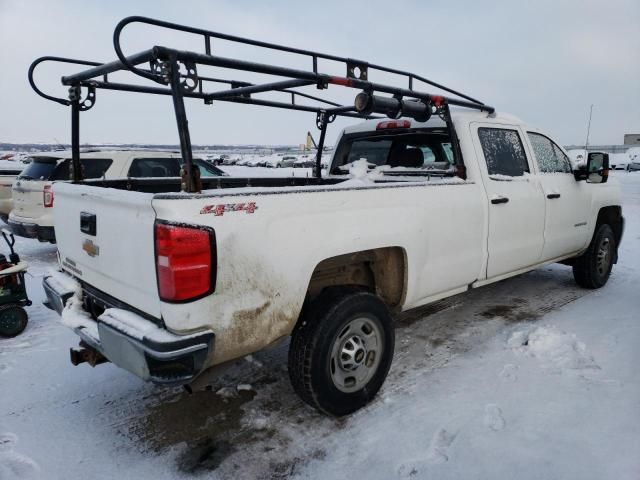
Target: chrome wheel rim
{"points": [[355, 355], [603, 257]]}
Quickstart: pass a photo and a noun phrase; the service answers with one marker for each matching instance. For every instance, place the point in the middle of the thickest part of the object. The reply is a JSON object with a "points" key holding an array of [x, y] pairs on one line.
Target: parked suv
{"points": [[32, 215], [9, 170]]}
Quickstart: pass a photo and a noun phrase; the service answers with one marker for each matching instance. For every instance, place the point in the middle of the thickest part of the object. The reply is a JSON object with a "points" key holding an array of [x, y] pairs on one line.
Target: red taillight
{"points": [[387, 124], [185, 262], [47, 196]]}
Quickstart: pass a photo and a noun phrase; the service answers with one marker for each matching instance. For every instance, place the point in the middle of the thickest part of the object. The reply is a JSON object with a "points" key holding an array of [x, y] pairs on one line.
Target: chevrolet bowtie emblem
{"points": [[91, 248]]}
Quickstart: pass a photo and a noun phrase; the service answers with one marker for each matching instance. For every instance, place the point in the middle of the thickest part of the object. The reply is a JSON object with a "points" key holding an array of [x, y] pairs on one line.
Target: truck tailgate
{"points": [[115, 252], [27, 198]]}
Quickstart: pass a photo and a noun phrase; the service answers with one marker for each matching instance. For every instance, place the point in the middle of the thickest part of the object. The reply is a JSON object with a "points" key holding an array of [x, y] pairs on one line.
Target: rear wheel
{"points": [[593, 268], [341, 351], [13, 320]]}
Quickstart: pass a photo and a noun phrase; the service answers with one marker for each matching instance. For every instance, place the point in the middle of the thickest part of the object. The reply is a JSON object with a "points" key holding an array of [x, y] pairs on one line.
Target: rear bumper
{"points": [[129, 340], [32, 230]]}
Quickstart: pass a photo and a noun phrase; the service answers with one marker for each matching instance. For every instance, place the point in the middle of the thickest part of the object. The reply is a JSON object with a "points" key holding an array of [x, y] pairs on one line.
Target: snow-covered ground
{"points": [[530, 378]]}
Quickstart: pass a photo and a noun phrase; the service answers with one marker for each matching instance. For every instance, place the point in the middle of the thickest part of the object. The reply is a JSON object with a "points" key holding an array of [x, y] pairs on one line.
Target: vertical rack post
{"points": [[76, 166], [455, 143], [322, 120], [190, 179]]}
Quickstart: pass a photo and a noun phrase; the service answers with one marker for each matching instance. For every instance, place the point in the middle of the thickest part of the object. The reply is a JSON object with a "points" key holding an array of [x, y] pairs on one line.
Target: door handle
{"points": [[553, 195], [498, 200]]}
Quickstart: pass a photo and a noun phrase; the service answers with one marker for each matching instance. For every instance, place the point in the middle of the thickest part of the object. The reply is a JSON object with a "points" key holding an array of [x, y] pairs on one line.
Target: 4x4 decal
{"points": [[219, 210]]}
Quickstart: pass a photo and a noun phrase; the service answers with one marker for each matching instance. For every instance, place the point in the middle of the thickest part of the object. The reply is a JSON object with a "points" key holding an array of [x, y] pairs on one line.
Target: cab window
{"points": [[154, 167], [91, 168], [206, 169], [548, 155], [503, 152], [168, 167]]}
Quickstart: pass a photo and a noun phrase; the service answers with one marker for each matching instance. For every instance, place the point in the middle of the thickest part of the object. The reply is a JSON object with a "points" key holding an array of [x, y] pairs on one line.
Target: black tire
{"points": [[331, 322], [593, 268], [13, 320]]}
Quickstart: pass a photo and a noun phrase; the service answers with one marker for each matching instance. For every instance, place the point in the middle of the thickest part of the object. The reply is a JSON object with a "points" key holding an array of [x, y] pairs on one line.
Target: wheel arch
{"points": [[382, 271], [612, 215]]}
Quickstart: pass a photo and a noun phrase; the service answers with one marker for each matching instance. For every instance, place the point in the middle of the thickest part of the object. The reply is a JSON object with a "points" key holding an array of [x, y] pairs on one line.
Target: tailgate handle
{"points": [[88, 223]]}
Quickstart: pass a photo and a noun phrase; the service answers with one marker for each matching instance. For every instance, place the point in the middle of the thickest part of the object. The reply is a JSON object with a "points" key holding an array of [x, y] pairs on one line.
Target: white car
{"points": [[287, 161], [33, 196], [9, 171], [167, 285]]}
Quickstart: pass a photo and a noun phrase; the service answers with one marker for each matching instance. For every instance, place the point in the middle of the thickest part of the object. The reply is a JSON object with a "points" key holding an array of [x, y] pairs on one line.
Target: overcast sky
{"points": [[545, 61]]}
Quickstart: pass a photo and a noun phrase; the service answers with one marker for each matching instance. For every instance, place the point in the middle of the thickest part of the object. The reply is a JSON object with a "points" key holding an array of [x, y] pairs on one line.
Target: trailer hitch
{"points": [[86, 354]]}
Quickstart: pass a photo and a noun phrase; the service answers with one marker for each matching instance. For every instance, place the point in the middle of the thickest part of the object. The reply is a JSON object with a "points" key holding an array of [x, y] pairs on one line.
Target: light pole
{"points": [[586, 143]]}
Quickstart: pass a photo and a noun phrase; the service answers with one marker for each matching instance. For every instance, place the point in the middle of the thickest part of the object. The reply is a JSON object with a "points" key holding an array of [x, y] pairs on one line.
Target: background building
{"points": [[632, 139]]}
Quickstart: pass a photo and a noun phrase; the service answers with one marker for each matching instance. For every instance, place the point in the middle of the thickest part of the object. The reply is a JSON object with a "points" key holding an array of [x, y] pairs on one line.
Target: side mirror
{"points": [[596, 170], [597, 167]]}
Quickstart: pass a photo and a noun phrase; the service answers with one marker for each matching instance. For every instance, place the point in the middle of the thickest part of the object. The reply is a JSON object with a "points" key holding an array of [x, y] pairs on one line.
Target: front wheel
{"points": [[341, 351], [593, 268], [13, 320]]}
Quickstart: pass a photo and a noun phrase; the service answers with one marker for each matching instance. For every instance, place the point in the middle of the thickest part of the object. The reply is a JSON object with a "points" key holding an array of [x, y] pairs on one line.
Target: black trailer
{"points": [[174, 73]]}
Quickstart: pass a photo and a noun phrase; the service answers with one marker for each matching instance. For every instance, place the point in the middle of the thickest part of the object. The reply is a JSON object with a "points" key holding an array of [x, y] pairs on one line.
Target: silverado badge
{"points": [[91, 248]]}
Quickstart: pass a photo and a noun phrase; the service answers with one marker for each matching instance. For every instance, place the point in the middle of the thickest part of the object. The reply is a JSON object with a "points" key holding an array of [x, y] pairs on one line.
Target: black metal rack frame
{"points": [[164, 68]]}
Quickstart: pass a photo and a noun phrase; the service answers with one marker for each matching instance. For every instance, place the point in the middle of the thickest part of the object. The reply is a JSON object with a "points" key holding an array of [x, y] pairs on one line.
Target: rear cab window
{"points": [[503, 152], [420, 151]]}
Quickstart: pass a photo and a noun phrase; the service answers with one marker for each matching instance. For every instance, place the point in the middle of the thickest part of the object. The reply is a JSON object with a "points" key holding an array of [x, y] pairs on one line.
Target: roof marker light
{"points": [[390, 124]]}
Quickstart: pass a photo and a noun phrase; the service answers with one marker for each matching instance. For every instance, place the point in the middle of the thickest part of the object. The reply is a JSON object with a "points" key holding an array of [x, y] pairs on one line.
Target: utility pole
{"points": [[586, 143]]}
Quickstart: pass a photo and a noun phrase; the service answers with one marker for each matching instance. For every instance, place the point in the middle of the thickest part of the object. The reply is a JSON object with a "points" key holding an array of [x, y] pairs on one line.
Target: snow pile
{"points": [[61, 282], [75, 317], [554, 347], [14, 465], [510, 178], [359, 174]]}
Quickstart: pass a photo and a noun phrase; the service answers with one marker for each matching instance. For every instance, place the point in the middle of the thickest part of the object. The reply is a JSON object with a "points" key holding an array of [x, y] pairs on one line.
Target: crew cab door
{"points": [[515, 200], [567, 205]]}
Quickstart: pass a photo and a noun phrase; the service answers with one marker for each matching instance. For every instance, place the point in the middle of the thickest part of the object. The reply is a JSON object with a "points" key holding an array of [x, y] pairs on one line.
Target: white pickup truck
{"points": [[432, 196], [167, 285]]}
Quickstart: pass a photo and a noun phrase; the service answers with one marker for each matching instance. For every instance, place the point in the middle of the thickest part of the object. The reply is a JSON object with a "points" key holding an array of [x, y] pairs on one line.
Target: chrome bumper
{"points": [[130, 341]]}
